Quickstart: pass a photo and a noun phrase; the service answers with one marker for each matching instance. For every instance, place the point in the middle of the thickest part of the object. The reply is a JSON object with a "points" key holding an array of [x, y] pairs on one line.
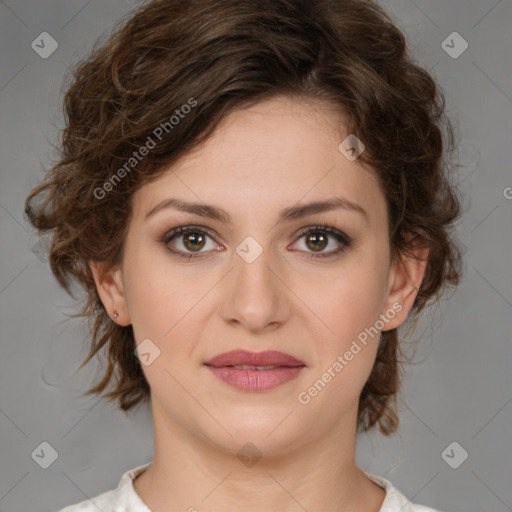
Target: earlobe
{"points": [[109, 284], [406, 276]]}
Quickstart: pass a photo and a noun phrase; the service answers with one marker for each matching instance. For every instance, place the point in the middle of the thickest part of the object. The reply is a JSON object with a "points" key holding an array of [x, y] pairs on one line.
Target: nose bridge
{"points": [[255, 297]]}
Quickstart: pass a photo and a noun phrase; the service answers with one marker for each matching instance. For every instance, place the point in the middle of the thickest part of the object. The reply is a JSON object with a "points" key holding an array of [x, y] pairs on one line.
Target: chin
{"points": [[260, 437]]}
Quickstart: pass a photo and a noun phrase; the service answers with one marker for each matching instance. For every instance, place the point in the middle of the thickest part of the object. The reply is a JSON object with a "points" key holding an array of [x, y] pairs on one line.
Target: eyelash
{"points": [[338, 235]]}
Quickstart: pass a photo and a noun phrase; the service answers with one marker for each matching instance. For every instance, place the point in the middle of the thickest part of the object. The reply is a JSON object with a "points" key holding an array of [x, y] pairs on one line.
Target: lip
{"points": [[286, 368], [266, 358]]}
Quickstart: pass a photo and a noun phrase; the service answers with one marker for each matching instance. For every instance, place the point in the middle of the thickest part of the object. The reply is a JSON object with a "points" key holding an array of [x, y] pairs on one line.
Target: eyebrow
{"points": [[287, 214]]}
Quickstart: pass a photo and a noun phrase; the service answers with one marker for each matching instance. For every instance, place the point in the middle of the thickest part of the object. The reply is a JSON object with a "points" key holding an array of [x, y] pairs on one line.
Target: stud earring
{"points": [[116, 314]]}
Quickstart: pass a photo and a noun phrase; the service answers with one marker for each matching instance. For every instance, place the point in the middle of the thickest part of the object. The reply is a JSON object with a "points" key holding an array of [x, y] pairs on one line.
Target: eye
{"points": [[192, 240], [317, 238]]}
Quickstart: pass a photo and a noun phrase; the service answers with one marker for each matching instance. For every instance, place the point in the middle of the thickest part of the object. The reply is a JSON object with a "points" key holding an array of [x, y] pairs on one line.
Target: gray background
{"points": [[459, 390]]}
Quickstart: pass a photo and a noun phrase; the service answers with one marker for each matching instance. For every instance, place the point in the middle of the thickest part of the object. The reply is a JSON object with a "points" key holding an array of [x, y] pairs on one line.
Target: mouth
{"points": [[251, 367], [256, 359], [255, 371]]}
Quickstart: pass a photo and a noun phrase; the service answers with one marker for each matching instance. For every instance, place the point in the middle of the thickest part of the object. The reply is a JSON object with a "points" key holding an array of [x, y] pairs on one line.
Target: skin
{"points": [[195, 308]]}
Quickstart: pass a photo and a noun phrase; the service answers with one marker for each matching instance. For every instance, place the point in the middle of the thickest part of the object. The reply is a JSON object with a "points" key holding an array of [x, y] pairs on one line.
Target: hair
{"points": [[218, 57]]}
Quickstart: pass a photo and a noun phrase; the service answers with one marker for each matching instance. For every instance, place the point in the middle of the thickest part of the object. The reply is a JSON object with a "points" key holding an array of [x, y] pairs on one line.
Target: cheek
{"points": [[166, 305], [347, 303], [154, 297], [346, 351]]}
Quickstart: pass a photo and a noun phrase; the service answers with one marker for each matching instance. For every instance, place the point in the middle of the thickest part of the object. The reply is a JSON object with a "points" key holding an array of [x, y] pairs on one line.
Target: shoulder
{"points": [[395, 501], [121, 499]]}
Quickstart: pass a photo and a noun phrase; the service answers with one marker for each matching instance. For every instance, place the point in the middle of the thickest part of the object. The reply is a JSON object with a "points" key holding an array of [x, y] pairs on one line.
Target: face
{"points": [[266, 275]]}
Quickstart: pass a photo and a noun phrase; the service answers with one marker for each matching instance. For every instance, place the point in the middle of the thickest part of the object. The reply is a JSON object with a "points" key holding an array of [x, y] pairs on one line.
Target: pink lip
{"points": [[266, 358], [287, 368]]}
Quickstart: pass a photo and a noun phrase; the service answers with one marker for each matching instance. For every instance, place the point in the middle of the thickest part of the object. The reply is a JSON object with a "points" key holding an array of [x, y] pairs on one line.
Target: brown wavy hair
{"points": [[226, 55]]}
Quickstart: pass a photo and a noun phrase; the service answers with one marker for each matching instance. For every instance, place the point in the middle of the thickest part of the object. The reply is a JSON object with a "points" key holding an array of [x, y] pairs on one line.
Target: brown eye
{"points": [[316, 241], [186, 240], [317, 238], [193, 241]]}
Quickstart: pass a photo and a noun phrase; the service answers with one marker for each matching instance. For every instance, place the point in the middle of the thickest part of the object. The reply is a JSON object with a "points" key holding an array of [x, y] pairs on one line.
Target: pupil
{"points": [[196, 238], [320, 237]]}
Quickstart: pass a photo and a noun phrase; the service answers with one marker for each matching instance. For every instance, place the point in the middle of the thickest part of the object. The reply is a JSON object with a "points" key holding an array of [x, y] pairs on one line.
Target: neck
{"points": [[190, 473]]}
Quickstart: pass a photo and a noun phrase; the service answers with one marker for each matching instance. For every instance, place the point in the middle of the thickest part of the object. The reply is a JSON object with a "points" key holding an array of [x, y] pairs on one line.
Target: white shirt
{"points": [[125, 499]]}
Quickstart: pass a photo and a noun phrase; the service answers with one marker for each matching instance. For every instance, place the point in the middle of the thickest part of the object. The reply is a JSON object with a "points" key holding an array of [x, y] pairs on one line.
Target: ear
{"points": [[405, 278], [109, 284]]}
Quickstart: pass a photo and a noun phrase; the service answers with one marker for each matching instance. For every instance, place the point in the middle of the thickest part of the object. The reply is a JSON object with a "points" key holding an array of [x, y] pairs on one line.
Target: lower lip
{"points": [[256, 380]]}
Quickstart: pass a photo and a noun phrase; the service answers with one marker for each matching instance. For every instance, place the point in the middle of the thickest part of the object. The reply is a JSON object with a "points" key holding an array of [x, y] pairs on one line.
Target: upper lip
{"points": [[244, 357]]}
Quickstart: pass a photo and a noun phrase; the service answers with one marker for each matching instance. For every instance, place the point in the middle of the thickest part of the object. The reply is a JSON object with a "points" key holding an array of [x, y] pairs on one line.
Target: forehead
{"points": [[275, 154]]}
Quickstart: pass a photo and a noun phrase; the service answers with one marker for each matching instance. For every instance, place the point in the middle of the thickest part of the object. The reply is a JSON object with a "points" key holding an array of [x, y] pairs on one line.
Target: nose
{"points": [[255, 295]]}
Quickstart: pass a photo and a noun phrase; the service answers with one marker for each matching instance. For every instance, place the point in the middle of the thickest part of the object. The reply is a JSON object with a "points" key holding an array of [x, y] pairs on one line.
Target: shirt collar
{"points": [[125, 497], [127, 500], [394, 499]]}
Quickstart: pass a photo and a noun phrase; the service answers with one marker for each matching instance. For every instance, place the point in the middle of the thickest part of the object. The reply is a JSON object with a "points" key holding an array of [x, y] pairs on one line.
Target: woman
{"points": [[254, 197]]}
